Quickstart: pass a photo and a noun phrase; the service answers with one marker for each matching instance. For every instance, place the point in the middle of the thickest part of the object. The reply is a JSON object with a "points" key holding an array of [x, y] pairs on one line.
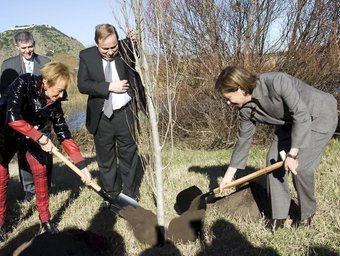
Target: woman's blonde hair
{"points": [[52, 71], [233, 77]]}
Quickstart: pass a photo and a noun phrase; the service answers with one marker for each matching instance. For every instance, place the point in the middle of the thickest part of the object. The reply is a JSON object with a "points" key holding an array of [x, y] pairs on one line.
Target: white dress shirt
{"points": [[119, 100], [29, 65]]}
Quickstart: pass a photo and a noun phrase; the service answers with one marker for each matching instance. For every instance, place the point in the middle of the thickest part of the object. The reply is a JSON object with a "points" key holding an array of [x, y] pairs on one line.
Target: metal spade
{"points": [[186, 196], [117, 203]]}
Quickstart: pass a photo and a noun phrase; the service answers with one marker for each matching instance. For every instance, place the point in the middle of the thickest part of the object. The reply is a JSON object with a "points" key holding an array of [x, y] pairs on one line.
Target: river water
{"points": [[76, 121]]}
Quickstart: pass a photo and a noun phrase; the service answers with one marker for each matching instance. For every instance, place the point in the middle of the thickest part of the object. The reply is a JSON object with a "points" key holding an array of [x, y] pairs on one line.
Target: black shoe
{"points": [[28, 196], [274, 224], [302, 223], [49, 228], [104, 206]]}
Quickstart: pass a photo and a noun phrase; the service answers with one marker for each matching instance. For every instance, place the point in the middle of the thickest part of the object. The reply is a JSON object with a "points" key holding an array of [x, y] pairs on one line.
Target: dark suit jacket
{"points": [[91, 81], [12, 67]]}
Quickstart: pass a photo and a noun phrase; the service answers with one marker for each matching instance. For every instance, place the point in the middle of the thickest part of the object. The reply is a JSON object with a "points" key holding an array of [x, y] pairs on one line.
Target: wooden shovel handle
{"points": [[250, 176], [74, 168], [254, 174]]}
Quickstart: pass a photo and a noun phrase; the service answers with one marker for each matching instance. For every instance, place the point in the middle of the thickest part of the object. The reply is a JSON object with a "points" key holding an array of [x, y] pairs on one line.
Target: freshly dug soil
{"points": [[186, 227], [143, 223], [73, 242], [250, 201]]}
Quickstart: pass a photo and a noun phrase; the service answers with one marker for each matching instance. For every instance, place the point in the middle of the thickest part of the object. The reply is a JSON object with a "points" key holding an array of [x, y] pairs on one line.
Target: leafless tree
{"points": [[186, 43], [160, 68]]}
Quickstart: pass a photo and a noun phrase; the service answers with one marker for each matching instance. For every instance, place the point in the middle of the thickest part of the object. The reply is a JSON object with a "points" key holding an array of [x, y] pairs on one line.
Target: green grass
{"points": [[73, 205]]}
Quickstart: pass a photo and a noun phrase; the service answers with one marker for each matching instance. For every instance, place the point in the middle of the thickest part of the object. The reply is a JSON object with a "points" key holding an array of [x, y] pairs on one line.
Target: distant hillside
{"points": [[49, 42]]}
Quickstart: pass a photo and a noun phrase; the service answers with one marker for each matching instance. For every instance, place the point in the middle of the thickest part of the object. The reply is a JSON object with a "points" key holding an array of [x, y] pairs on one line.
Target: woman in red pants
{"points": [[31, 104]]}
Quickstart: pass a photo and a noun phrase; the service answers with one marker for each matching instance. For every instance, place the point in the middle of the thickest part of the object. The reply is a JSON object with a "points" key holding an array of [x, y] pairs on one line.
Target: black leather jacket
{"points": [[26, 100], [29, 114]]}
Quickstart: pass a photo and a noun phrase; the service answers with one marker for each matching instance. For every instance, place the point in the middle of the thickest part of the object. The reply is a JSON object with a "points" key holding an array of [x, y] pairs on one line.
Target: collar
{"points": [[259, 91], [27, 61]]}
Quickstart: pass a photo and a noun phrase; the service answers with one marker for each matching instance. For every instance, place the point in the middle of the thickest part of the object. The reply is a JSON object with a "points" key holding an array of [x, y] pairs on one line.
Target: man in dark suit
{"points": [[107, 76], [27, 61]]}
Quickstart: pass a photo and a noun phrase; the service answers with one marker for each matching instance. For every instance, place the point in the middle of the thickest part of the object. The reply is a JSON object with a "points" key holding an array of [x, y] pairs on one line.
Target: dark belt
{"points": [[122, 108]]}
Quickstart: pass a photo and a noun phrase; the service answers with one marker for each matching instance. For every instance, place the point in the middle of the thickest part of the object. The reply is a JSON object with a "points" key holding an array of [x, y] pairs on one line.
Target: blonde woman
{"points": [[31, 104]]}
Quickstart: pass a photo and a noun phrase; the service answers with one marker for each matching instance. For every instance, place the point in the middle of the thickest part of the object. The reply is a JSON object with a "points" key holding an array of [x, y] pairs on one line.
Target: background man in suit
{"points": [[26, 62], [305, 120], [105, 76]]}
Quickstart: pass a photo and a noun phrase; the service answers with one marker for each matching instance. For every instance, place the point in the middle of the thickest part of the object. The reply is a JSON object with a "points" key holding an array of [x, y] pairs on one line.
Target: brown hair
{"points": [[233, 77], [103, 31], [52, 71]]}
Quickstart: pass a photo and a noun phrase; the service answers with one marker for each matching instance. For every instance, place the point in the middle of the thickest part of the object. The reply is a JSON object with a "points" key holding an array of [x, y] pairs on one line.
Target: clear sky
{"points": [[75, 18]]}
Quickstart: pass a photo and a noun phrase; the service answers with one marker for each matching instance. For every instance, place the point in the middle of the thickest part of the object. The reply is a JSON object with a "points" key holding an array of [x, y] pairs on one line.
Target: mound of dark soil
{"points": [[250, 201], [186, 227], [143, 223], [145, 227]]}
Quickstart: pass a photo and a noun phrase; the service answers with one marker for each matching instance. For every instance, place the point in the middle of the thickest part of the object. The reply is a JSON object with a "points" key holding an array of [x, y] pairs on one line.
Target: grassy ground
{"points": [[72, 205]]}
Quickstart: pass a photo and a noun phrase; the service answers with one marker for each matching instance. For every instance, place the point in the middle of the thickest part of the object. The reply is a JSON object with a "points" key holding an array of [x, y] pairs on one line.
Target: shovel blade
{"points": [[185, 197], [122, 201]]}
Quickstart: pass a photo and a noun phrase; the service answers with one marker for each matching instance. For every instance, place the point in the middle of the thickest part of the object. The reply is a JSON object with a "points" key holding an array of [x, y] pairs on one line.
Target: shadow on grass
{"points": [[23, 237], [15, 195], [228, 241], [168, 248], [63, 179], [103, 224]]}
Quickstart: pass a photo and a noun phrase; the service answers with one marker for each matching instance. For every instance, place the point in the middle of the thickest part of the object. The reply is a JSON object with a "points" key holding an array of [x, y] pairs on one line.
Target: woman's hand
{"points": [[46, 144], [86, 177], [291, 164], [228, 177]]}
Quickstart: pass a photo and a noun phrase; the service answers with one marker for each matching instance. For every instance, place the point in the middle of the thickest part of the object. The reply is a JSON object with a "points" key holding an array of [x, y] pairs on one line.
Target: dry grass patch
{"points": [[73, 205]]}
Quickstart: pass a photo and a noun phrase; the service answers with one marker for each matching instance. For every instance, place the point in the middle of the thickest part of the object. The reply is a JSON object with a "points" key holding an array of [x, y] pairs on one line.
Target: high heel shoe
{"points": [[302, 223], [50, 228], [274, 224]]}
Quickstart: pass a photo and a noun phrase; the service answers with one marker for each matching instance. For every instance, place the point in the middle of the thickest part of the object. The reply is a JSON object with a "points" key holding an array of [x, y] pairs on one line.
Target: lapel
{"points": [[37, 64], [120, 66], [19, 65], [96, 64]]}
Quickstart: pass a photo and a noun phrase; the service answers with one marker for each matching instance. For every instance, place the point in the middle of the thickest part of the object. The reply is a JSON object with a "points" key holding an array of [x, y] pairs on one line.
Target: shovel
{"points": [[117, 203], [185, 198]]}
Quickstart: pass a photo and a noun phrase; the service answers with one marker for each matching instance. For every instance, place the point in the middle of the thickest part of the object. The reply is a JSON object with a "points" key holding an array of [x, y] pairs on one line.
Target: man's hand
{"points": [[132, 35], [119, 86]]}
